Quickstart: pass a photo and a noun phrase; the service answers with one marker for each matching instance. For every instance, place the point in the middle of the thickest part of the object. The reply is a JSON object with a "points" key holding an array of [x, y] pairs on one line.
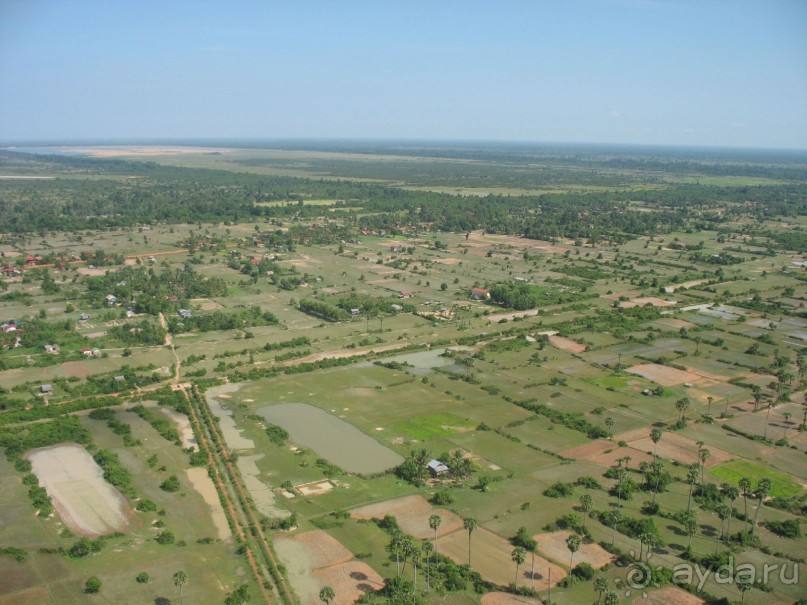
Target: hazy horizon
{"points": [[645, 73]]}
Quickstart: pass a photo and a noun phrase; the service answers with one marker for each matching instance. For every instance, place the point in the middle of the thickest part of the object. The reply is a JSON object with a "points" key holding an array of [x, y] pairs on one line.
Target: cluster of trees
{"points": [[323, 310], [522, 296], [222, 320]]}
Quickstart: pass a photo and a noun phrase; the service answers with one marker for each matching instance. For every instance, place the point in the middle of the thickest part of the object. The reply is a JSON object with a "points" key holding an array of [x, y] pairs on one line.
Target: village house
{"points": [[46, 389], [111, 299], [436, 468], [185, 314], [480, 294]]}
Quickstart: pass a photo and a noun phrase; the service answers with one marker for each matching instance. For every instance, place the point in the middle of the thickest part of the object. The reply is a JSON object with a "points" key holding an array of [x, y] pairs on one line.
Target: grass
{"points": [[781, 484], [432, 425]]}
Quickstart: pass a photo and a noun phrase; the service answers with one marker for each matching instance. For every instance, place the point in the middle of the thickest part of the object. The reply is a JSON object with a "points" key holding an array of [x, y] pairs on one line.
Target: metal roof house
{"points": [[436, 467]]}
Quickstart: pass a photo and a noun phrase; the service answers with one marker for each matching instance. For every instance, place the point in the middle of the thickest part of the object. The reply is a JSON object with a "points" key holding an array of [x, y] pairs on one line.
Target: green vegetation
{"points": [[782, 485]]}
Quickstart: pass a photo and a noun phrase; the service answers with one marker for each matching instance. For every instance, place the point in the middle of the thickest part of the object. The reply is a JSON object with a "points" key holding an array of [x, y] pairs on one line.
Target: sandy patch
{"points": [[667, 596], [673, 446], [315, 488], [183, 425], [663, 375], [494, 318], [566, 344], [647, 300], [90, 272], [685, 285], [706, 374], [554, 546], [505, 598], [490, 556], [447, 261], [203, 485], [396, 507], [261, 493], [87, 504]]}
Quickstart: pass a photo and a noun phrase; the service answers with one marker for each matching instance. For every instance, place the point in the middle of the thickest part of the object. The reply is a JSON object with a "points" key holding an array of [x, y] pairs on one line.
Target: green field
{"points": [[782, 486]]}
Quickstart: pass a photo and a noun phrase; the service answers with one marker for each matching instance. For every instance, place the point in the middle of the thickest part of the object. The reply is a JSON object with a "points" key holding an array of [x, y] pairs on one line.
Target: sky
{"points": [[730, 73]]}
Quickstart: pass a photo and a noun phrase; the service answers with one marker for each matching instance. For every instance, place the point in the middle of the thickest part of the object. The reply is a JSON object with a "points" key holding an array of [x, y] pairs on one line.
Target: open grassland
{"points": [[782, 485]]}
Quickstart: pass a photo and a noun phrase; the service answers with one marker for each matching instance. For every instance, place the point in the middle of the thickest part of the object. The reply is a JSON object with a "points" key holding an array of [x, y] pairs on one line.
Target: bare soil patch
{"points": [[205, 304], [87, 504], [700, 372], [90, 272], [566, 344], [412, 514], [673, 446], [31, 596], [203, 484], [322, 549], [316, 488], [490, 556], [78, 369], [636, 457], [505, 598], [667, 596], [588, 451], [349, 581], [663, 375], [647, 300], [553, 545]]}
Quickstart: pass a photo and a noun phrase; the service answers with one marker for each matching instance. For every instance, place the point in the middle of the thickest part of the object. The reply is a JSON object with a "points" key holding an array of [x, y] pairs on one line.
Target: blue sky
{"points": [[727, 73]]}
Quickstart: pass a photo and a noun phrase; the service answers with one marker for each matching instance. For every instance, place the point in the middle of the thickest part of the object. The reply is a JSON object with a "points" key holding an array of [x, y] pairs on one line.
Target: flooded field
{"points": [[422, 362], [203, 484], [261, 493], [87, 504], [183, 425], [335, 440], [216, 398]]}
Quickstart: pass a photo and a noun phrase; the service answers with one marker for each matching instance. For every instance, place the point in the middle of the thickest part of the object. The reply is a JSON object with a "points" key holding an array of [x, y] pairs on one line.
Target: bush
{"points": [[442, 498], [142, 578], [171, 484], [786, 529], [559, 490], [277, 435], [589, 482], [583, 571], [92, 585], [165, 537]]}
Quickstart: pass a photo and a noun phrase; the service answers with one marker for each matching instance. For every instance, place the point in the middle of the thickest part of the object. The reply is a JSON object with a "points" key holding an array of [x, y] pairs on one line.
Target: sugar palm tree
{"points": [[434, 524], [787, 416], [180, 579], [470, 524], [428, 549], [763, 488], [767, 418], [682, 405], [519, 555], [609, 422], [692, 478], [586, 504], [573, 543], [703, 454], [600, 585], [731, 493]]}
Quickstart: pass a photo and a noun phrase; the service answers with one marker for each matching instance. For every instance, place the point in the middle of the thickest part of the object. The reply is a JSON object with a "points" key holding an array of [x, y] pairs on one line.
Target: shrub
{"points": [[442, 498], [92, 585], [559, 490]]}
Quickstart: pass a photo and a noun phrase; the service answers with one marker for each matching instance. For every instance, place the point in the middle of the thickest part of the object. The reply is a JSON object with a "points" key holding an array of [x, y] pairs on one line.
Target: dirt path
{"points": [[342, 353]]}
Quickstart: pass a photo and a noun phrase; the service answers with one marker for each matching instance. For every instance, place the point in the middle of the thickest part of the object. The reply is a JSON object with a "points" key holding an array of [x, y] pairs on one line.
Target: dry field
{"points": [[553, 545], [567, 344], [588, 451], [505, 598], [667, 596], [490, 556], [673, 447], [315, 559], [663, 375], [87, 504], [647, 300], [412, 514]]}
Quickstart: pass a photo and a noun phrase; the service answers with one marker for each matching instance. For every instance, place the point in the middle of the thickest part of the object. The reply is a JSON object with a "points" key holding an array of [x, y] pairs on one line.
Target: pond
{"points": [[331, 438], [423, 362]]}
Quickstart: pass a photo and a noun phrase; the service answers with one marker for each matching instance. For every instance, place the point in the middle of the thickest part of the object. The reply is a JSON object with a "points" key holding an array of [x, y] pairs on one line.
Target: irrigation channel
{"points": [[237, 505]]}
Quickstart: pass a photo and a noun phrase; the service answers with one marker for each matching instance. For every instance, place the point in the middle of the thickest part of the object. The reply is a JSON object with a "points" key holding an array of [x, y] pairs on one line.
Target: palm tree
{"points": [[616, 517], [745, 488], [655, 436], [756, 390], [682, 405], [470, 524], [724, 512], [704, 454], [731, 493], [586, 504], [611, 598], [692, 478], [609, 422], [787, 416], [709, 409], [763, 487], [600, 585], [428, 550], [408, 548], [395, 545], [326, 595], [743, 585], [180, 579], [519, 555], [434, 524], [573, 543], [415, 553], [767, 417], [690, 527]]}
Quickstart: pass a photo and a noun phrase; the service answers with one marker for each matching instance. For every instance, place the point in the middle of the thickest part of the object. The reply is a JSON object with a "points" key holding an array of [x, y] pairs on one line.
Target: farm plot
{"points": [[665, 596], [87, 504], [490, 556], [566, 344], [412, 514], [506, 598], [315, 559], [663, 375], [673, 446], [553, 545], [778, 425], [781, 484]]}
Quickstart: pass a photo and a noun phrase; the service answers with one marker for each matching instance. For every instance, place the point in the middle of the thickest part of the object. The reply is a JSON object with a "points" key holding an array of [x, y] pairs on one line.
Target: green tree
{"points": [[518, 556], [180, 579], [326, 595], [611, 598], [600, 585], [655, 436], [573, 543], [92, 585], [470, 524], [142, 578], [586, 504], [745, 489], [763, 488], [682, 405], [743, 585]]}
